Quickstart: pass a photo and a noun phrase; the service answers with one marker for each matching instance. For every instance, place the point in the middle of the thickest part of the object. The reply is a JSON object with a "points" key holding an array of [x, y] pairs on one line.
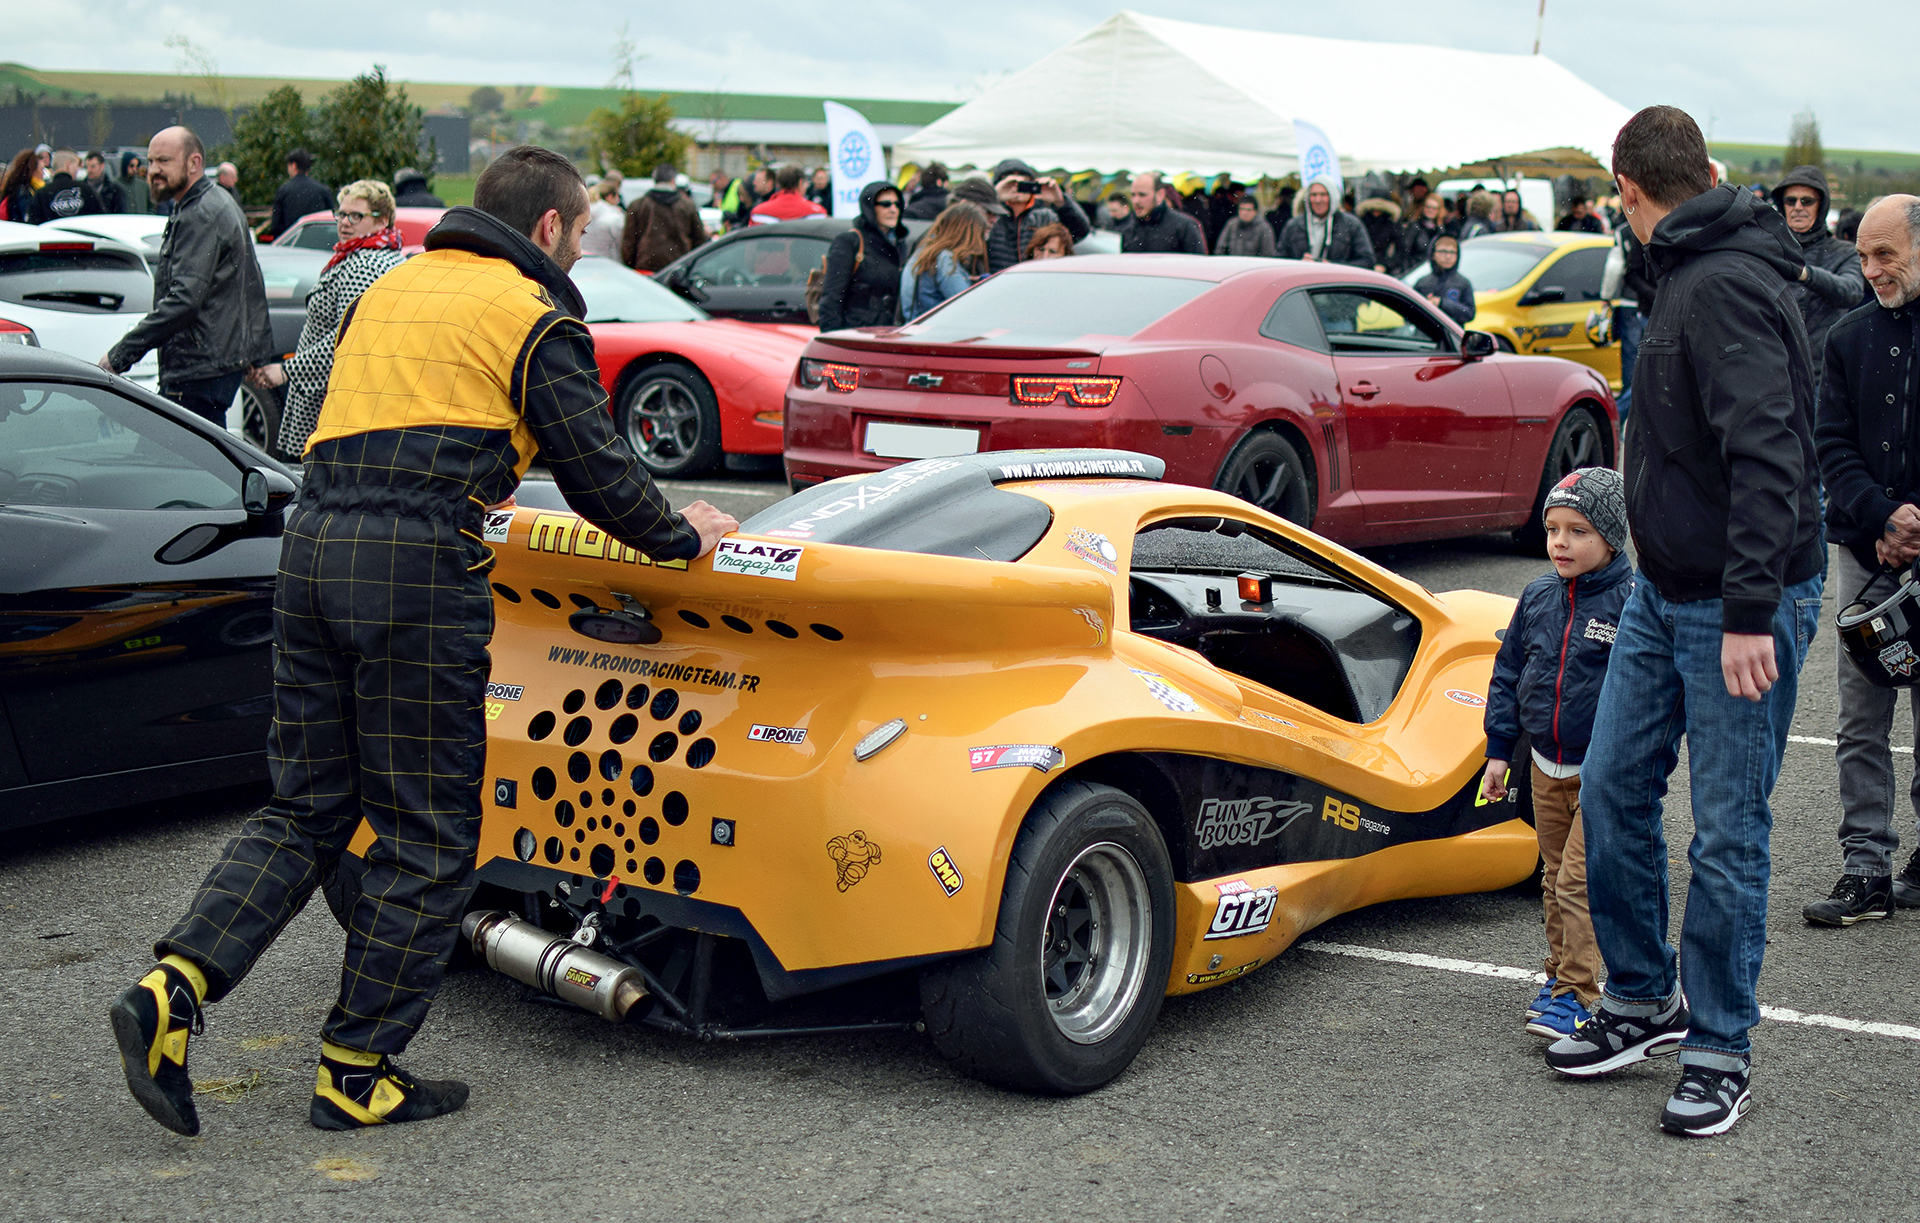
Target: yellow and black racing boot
{"points": [[354, 1090], [151, 1022]]}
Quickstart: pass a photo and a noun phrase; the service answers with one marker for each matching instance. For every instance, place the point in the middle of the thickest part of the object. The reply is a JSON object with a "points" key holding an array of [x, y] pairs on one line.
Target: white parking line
{"points": [[1833, 743], [1778, 1014]]}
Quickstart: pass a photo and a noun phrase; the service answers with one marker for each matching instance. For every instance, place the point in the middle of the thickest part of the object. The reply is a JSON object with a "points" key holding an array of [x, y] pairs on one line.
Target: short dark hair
{"points": [[96, 155], [300, 160], [1662, 151], [665, 172], [934, 175], [786, 178], [525, 183]]}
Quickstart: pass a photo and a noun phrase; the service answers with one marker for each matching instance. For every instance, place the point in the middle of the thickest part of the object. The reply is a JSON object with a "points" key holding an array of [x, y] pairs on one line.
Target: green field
{"points": [[1740, 157]]}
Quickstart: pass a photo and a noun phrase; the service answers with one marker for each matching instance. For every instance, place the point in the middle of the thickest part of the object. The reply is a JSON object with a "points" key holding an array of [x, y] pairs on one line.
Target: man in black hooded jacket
{"points": [[1830, 284], [1724, 508]]}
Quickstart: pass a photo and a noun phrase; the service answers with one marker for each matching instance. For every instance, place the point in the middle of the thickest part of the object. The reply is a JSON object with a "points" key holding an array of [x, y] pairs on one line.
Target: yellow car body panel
{"points": [[829, 861], [1548, 329]]}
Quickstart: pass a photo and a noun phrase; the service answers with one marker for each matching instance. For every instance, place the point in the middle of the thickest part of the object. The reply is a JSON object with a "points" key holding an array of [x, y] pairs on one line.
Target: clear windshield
{"points": [[1492, 265], [617, 294], [1056, 307]]}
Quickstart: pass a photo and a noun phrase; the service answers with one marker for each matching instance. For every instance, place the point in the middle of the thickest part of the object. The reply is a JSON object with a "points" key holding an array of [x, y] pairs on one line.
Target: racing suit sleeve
{"points": [[1742, 367], [1503, 690], [190, 275], [560, 396]]}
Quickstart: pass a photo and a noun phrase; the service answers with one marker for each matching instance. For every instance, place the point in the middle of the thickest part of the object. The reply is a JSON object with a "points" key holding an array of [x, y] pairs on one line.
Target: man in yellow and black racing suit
{"points": [[450, 373]]}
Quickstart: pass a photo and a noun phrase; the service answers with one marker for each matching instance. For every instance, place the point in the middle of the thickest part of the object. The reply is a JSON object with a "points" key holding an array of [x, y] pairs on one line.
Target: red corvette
{"points": [[687, 390], [1329, 395]]}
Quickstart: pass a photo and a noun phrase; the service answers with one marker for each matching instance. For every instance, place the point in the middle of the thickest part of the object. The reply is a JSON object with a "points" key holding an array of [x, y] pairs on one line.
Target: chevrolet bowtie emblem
{"points": [[924, 381]]}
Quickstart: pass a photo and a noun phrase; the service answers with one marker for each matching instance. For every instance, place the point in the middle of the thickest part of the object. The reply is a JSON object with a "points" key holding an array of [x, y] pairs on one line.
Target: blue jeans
{"points": [[1630, 324], [1664, 681], [209, 397]]}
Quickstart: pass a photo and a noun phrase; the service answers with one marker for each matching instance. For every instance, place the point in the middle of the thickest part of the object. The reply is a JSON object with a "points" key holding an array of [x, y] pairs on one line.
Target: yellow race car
{"points": [[1031, 730], [1538, 294]]}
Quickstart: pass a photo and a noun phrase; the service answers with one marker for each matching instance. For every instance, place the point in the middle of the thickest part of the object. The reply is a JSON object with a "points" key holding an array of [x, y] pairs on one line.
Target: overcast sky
{"points": [[1743, 69]]}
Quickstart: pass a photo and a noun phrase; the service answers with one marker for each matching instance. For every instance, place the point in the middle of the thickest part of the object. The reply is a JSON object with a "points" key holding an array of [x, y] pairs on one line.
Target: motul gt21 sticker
{"points": [[1012, 755], [1242, 911]]}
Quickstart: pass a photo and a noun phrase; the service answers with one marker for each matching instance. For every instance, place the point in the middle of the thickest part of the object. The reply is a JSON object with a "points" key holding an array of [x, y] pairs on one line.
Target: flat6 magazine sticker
{"points": [[758, 560]]}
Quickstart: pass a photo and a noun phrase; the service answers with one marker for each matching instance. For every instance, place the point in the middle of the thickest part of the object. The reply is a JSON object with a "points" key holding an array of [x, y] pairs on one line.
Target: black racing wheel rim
{"points": [[1272, 479]]}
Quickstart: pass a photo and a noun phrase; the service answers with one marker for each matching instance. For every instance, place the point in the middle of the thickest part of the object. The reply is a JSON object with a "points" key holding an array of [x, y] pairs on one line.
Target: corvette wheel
{"points": [[1577, 443], [1265, 470], [1063, 998], [670, 419]]}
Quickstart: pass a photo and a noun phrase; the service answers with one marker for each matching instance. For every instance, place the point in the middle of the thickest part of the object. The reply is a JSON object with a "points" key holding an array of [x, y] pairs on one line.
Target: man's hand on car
{"points": [[710, 523]]}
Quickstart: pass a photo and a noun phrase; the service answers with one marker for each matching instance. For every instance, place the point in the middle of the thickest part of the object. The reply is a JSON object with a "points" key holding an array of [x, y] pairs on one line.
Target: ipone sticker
{"points": [[750, 559], [505, 692], [1041, 756], [1471, 699], [777, 734]]}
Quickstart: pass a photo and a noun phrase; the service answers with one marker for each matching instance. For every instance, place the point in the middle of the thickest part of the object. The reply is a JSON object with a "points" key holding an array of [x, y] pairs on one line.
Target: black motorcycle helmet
{"points": [[1883, 638]]}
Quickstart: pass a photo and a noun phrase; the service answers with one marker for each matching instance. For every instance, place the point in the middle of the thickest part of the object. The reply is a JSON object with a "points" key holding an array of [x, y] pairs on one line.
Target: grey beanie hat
{"points": [[1600, 496]]}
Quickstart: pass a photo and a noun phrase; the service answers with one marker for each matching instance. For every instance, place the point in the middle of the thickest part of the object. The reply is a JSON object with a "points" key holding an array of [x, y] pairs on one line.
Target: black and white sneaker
{"points": [[1906, 884], [1607, 1041], [1707, 1101], [1855, 898]]}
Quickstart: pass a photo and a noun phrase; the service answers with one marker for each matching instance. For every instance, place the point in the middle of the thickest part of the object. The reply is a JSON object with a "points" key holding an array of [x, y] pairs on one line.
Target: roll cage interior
{"points": [[1320, 638]]}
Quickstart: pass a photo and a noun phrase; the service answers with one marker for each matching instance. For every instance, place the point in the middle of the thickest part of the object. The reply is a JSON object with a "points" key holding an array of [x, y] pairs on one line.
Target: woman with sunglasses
{"points": [[861, 287], [369, 247]]}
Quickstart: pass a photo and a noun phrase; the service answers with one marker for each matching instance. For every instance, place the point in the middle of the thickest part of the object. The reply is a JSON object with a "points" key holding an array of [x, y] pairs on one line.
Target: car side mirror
{"points": [[1477, 345], [1540, 295], [264, 492]]}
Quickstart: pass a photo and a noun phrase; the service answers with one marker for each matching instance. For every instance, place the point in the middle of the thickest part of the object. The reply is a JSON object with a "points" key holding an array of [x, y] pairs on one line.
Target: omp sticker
{"points": [[777, 734], [1472, 699], [497, 523], [1898, 658], [941, 864], [505, 692], [1245, 821], [1242, 913], [853, 856], [1094, 548], [757, 560], [1166, 693], [1039, 756], [1203, 978]]}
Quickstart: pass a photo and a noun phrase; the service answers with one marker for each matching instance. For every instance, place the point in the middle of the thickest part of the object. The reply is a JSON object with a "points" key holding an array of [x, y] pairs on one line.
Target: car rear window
{"points": [[1491, 266], [915, 507], [1055, 307], [79, 282], [617, 294]]}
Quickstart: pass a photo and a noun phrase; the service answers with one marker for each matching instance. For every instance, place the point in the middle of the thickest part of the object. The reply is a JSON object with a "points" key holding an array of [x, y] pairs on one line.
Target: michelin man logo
{"points": [[855, 154], [853, 855]]}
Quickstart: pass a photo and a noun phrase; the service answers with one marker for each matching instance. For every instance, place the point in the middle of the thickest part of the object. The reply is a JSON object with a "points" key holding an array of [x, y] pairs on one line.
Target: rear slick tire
{"points": [[1064, 997]]}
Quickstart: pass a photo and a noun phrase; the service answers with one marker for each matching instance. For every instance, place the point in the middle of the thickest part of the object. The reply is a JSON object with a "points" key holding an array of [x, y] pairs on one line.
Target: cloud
{"points": [[1742, 69]]}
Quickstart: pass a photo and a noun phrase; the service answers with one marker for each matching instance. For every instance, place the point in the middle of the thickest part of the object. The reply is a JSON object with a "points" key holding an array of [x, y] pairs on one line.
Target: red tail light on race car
{"points": [[1037, 391], [836, 376]]}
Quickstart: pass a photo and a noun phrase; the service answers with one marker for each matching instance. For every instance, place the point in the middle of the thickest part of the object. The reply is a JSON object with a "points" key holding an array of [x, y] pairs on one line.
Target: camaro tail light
{"points": [[66, 246], [1037, 391], [836, 376], [17, 333]]}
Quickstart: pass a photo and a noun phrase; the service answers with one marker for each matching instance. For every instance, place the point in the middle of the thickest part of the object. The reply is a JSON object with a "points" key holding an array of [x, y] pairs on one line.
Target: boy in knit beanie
{"points": [[1546, 684]]}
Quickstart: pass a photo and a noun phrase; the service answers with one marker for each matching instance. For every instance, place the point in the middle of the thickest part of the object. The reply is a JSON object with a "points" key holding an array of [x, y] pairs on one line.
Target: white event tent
{"points": [[1142, 93]]}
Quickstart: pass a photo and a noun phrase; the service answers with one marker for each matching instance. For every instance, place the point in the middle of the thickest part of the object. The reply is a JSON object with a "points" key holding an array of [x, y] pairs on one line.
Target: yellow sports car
{"points": [[1539, 294], [1029, 729]]}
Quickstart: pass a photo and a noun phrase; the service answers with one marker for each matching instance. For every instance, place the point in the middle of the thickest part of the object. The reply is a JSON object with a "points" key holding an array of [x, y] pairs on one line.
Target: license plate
{"points": [[895, 441]]}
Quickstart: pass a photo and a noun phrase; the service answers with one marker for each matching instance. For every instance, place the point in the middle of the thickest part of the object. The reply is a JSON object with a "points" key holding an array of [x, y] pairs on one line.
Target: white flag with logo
{"points": [[1317, 159], [856, 155]]}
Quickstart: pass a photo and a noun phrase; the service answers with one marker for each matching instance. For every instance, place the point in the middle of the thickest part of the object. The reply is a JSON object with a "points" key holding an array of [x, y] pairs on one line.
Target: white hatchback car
{"points": [[73, 293]]}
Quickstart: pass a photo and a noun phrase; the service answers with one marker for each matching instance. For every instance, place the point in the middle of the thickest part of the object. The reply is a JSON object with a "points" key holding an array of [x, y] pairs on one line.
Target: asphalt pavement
{"points": [[1323, 1086]]}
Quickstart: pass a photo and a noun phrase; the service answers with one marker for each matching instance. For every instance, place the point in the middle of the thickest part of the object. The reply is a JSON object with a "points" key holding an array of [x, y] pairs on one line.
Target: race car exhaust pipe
{"points": [[554, 964]]}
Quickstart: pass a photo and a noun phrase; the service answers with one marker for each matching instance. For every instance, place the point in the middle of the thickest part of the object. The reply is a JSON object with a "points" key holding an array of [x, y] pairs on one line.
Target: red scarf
{"points": [[387, 239]]}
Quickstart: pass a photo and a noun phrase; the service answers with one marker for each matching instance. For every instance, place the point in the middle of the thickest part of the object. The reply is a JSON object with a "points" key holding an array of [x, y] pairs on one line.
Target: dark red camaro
{"points": [[1329, 395]]}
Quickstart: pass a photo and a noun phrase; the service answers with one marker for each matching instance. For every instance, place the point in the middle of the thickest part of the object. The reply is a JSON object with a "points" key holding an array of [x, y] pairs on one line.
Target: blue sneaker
{"points": [[1543, 999], [1561, 1017]]}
